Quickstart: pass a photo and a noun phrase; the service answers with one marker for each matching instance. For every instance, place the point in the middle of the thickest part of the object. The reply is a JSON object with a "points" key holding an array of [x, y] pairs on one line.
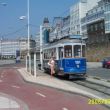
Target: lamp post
{"points": [[28, 8], [28, 57], [41, 48], [28, 21]]}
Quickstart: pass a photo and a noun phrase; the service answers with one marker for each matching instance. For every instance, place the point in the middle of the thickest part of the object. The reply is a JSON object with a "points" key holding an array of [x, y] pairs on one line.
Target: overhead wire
{"points": [[12, 33]]}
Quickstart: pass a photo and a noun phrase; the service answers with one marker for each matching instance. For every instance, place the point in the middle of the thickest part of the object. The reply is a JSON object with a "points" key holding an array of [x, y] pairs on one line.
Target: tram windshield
{"points": [[77, 50]]}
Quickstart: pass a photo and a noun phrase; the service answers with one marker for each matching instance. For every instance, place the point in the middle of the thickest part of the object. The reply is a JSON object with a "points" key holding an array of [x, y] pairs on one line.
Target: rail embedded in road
{"points": [[95, 86]]}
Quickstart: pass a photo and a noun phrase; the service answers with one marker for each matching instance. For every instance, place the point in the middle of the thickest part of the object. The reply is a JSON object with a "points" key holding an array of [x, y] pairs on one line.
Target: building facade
{"points": [[60, 28], [8, 48], [77, 12], [95, 25]]}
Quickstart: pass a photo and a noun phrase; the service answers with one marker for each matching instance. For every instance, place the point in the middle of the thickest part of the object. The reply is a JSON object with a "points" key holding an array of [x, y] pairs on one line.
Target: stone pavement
{"points": [[47, 80], [6, 102]]}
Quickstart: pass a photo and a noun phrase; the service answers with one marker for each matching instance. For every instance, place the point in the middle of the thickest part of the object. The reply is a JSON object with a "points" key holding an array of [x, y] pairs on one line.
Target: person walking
{"points": [[51, 63]]}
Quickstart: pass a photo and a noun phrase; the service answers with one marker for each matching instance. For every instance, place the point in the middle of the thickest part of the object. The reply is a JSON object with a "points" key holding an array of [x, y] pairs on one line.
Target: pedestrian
{"points": [[51, 63]]}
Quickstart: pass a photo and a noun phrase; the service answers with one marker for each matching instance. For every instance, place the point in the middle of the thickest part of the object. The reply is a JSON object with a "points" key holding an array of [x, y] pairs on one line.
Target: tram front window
{"points": [[68, 51], [77, 51]]}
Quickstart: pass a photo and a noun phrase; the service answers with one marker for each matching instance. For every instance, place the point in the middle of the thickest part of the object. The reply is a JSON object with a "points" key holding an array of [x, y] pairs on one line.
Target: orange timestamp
{"points": [[98, 101]]}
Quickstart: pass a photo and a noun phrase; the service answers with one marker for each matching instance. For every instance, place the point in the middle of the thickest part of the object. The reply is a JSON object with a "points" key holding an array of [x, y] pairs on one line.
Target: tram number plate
{"points": [[77, 63]]}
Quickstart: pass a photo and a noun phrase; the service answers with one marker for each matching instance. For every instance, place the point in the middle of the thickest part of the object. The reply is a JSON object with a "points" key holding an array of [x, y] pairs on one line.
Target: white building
{"points": [[8, 47], [77, 12], [99, 32], [92, 16], [107, 15], [55, 31], [60, 28]]}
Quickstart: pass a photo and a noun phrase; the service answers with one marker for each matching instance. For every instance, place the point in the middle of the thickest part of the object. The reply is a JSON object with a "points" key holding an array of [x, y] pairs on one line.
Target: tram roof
{"points": [[63, 42]]}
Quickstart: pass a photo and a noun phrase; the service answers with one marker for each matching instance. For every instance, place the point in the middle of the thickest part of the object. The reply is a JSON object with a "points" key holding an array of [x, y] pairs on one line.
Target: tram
{"points": [[69, 57]]}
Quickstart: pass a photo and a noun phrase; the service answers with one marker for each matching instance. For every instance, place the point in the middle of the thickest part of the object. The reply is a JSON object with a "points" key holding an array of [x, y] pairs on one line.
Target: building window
{"points": [[91, 28], [101, 26], [96, 27]]}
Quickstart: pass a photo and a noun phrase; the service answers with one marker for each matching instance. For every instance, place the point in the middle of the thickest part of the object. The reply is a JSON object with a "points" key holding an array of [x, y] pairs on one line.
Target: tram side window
{"points": [[77, 51], [68, 51]]}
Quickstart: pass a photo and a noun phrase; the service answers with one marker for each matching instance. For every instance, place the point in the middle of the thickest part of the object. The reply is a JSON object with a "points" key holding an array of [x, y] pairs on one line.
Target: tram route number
{"points": [[98, 101]]}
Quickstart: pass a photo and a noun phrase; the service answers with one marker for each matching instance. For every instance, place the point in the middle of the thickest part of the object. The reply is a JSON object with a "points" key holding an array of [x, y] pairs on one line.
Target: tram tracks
{"points": [[95, 86]]}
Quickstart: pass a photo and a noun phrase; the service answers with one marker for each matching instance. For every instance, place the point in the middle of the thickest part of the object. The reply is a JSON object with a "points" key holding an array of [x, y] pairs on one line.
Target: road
{"points": [[93, 69], [102, 73], [39, 97]]}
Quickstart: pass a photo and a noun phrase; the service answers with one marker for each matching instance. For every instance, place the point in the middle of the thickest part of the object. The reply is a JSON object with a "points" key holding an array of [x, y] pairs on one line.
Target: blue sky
{"points": [[12, 27]]}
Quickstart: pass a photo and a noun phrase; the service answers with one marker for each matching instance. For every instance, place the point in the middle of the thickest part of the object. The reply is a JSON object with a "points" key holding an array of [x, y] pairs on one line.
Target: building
{"points": [[55, 31], [107, 18], [95, 25], [23, 44], [8, 47], [66, 26], [77, 12], [60, 28]]}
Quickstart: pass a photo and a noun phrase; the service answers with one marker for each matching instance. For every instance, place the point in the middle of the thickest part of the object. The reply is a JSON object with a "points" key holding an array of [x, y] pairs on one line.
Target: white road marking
{"points": [[64, 108], [15, 67], [42, 95], [15, 86]]}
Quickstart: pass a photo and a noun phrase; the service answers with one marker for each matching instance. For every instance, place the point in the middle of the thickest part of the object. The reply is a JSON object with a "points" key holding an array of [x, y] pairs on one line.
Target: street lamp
{"points": [[28, 8], [28, 20], [28, 57]]}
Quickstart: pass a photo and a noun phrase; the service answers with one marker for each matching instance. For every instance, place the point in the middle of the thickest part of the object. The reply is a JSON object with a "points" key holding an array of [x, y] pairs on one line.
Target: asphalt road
{"points": [[38, 97], [99, 72]]}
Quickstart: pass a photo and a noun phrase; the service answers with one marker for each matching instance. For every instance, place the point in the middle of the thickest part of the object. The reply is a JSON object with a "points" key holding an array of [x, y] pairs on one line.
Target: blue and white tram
{"points": [[69, 57]]}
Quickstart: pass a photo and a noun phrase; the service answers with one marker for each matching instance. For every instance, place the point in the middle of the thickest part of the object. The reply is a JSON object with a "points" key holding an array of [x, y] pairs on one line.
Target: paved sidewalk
{"points": [[46, 80], [6, 102], [94, 64]]}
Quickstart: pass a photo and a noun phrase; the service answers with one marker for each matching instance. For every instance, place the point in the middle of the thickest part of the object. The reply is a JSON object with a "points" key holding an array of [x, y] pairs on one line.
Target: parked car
{"points": [[106, 62]]}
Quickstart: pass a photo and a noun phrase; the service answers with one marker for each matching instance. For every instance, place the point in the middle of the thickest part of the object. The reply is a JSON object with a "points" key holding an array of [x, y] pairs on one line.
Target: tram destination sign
{"points": [[76, 36]]}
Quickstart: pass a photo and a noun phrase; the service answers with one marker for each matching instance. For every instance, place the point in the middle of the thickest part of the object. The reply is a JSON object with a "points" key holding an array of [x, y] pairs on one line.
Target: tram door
{"points": [[61, 55], [61, 52]]}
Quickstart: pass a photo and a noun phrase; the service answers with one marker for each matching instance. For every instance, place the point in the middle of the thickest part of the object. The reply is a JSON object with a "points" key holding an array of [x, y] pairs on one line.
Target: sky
{"points": [[12, 27]]}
